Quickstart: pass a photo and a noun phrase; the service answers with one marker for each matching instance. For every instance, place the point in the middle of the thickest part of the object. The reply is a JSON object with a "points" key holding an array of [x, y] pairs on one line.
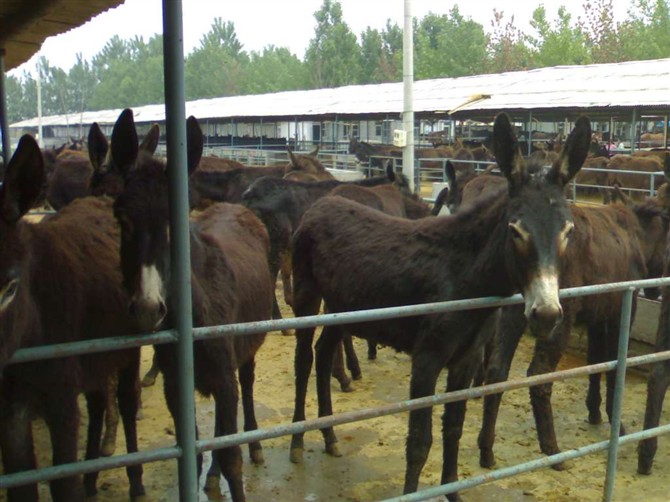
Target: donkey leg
{"points": [[597, 334], [246, 373], [111, 418], [285, 269], [459, 377], [96, 403], [511, 325], [338, 371], [425, 370], [150, 376], [372, 350], [352, 359], [62, 418], [545, 359], [657, 386], [326, 345], [128, 392], [225, 399], [16, 446], [306, 302]]}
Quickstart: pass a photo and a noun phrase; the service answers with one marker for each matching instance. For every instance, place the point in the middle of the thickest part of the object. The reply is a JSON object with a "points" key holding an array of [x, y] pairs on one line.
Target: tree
{"points": [[601, 31], [449, 46], [21, 98], [274, 70], [646, 32], [507, 46], [561, 44], [333, 55], [216, 68]]}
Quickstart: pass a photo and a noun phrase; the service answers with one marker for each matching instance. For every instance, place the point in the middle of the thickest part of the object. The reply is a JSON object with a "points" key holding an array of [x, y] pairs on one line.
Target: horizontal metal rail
{"points": [[128, 341]]}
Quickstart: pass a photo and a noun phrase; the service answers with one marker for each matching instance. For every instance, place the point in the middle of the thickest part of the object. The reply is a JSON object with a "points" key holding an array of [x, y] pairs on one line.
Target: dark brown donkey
{"points": [[230, 279], [354, 258], [618, 242], [60, 282]]}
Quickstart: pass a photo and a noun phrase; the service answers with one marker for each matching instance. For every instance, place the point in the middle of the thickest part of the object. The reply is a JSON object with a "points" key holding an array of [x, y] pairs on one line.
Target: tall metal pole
{"points": [[408, 104], [175, 120], [40, 132], [4, 123]]}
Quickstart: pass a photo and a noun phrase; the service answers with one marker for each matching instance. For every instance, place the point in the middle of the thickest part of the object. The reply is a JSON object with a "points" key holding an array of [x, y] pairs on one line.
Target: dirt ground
{"points": [[372, 465]]}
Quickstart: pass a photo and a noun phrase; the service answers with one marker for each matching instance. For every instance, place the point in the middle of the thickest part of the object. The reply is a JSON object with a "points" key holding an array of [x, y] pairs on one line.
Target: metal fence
{"points": [[241, 329]]}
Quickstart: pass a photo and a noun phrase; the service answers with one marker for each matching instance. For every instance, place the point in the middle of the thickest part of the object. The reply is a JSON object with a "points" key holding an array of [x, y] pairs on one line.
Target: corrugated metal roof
{"points": [[26, 25], [604, 86]]}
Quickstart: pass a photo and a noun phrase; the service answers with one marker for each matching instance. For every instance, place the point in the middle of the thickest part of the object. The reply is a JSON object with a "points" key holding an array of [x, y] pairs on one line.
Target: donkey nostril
{"points": [[132, 308]]}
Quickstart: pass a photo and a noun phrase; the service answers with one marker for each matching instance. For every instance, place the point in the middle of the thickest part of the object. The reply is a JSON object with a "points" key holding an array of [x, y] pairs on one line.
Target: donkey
{"points": [[613, 243], [60, 282], [511, 241], [230, 279]]}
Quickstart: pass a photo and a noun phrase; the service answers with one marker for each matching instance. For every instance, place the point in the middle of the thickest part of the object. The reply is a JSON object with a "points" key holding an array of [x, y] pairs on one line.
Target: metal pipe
{"points": [[633, 130], [180, 260], [4, 122], [408, 104], [615, 423], [123, 342]]}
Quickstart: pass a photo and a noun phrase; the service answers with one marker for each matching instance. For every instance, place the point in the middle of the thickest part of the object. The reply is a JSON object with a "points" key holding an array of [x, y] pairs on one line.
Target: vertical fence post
{"points": [[615, 425], [4, 123], [173, 58]]}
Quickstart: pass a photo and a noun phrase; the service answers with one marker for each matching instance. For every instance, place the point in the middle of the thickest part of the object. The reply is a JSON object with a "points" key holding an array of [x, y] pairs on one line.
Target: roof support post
{"points": [[633, 130], [180, 251], [530, 133], [4, 123], [408, 104]]}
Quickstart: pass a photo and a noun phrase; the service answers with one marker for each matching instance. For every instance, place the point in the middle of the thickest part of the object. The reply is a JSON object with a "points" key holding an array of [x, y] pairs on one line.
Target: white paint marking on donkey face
{"points": [[542, 294]]}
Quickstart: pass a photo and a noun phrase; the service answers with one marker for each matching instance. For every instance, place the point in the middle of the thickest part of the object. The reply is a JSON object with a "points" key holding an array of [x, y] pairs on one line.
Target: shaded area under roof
{"points": [[561, 91], [27, 24]]}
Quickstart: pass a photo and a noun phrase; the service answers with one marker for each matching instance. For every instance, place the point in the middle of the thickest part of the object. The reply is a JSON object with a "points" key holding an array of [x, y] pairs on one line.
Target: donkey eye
{"points": [[10, 289], [518, 232]]}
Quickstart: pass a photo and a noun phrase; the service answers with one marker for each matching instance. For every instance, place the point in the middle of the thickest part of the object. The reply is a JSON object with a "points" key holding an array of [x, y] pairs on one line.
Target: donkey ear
{"points": [[440, 200], [124, 142], [507, 153], [24, 177], [292, 158], [97, 146], [390, 174], [450, 173], [314, 152], [194, 143], [574, 153], [150, 141]]}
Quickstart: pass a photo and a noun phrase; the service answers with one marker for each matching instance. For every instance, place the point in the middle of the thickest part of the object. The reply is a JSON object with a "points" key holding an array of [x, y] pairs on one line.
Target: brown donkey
{"points": [[230, 278], [354, 258], [60, 282]]}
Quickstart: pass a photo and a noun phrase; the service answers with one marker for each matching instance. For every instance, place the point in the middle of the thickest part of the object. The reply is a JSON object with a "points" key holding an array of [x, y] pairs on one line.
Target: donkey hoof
{"points": [[256, 456], [644, 467], [333, 450], [108, 448], [346, 386], [561, 466], [212, 488], [296, 455], [288, 332], [487, 459], [595, 418], [357, 376], [148, 381]]}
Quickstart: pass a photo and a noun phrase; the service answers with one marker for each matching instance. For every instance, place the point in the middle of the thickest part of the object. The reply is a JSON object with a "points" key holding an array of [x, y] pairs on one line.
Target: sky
{"points": [[287, 23]]}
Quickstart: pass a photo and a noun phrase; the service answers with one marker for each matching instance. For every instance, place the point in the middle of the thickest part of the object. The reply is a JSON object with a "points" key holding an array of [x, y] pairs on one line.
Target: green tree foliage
{"points": [[333, 56], [508, 46], [273, 70], [448, 46], [557, 44], [646, 32], [217, 67], [130, 72]]}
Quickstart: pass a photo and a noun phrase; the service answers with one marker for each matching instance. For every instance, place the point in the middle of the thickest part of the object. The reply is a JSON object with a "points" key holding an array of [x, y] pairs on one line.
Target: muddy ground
{"points": [[372, 465]]}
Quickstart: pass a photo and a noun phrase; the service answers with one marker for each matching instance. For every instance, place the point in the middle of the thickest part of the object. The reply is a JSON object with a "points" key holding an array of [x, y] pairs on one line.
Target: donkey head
{"points": [[143, 214], [539, 222]]}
